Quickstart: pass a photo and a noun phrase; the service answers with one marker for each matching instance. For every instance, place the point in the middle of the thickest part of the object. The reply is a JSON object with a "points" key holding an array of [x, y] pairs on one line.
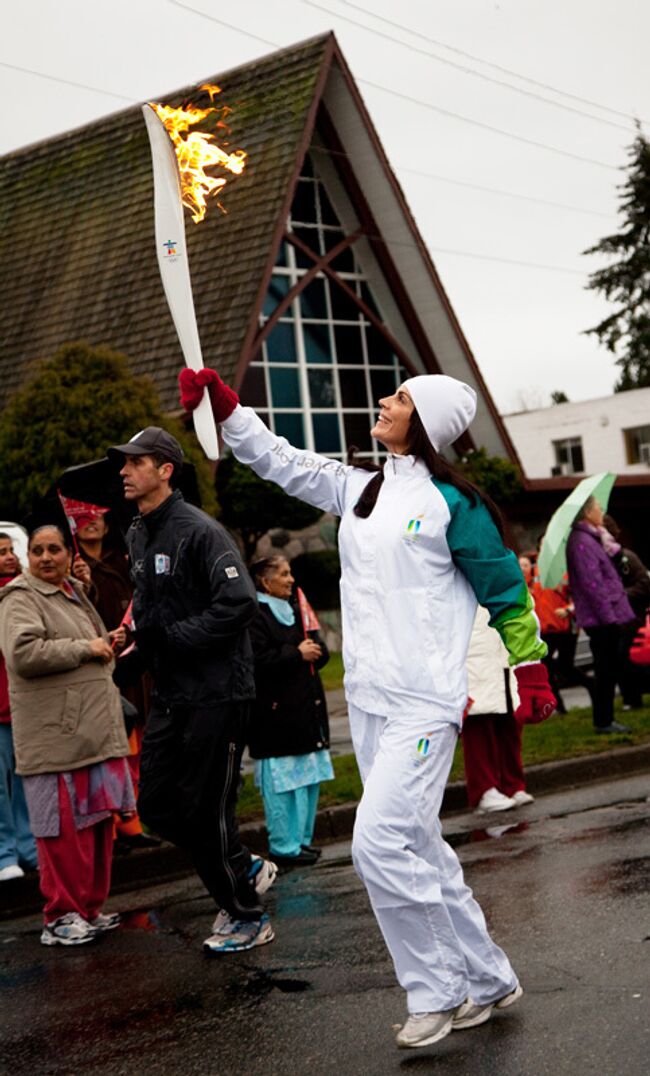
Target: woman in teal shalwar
{"points": [[289, 733]]}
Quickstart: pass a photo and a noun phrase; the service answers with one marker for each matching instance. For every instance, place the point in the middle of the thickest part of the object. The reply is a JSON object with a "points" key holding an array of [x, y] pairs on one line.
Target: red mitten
{"points": [[191, 393], [193, 382], [536, 700]]}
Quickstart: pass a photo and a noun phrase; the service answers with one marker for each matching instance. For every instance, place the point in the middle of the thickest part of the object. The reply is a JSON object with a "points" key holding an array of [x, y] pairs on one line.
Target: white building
{"points": [[608, 434]]}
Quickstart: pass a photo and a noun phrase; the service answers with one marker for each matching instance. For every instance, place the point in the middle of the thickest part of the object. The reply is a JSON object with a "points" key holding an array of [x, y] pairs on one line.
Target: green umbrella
{"points": [[552, 556]]}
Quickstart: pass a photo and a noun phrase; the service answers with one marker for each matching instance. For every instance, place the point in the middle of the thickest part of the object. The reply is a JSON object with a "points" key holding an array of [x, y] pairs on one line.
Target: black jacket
{"points": [[636, 582], [290, 714], [194, 601]]}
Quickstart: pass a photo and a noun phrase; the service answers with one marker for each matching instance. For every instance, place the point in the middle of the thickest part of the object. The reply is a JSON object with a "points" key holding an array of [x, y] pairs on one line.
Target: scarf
{"points": [[281, 609]]}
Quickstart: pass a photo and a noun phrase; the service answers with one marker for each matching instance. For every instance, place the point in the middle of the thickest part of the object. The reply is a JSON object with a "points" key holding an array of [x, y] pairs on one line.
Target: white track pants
{"points": [[434, 929]]}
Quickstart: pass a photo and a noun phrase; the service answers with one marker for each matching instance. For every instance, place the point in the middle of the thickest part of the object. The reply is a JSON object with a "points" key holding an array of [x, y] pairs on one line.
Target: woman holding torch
{"points": [[419, 547]]}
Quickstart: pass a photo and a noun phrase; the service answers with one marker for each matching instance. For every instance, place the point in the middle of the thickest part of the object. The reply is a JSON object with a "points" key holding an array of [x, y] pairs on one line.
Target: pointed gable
{"points": [[79, 255], [77, 223]]}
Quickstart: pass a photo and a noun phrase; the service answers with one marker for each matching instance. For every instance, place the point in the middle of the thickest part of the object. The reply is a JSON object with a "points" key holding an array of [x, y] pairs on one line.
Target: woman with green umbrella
{"points": [[601, 605]]}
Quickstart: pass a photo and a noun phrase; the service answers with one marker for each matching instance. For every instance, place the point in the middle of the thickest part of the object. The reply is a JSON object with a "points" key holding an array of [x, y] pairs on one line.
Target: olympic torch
{"points": [[180, 179]]}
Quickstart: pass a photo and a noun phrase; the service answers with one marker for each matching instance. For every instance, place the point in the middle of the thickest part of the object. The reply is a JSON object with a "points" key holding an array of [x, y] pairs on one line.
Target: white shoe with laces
{"points": [[103, 922], [493, 800], [237, 935], [522, 797], [68, 929], [425, 1028], [263, 873], [469, 1014]]}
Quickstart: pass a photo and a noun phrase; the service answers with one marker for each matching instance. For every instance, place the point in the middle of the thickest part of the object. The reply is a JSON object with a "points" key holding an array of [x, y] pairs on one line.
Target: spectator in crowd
{"points": [[555, 612], [111, 592], [491, 735], [636, 582], [601, 605], [192, 606], [17, 848], [69, 736], [289, 731]]}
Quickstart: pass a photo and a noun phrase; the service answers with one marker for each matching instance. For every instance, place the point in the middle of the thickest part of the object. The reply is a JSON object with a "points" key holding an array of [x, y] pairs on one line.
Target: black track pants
{"points": [[188, 792]]}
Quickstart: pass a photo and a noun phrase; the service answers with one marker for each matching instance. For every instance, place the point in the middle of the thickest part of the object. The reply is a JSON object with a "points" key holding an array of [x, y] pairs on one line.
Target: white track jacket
{"points": [[411, 574]]}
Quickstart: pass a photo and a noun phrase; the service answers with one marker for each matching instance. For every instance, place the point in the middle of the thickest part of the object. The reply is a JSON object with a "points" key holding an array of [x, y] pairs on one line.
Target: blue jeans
{"points": [[16, 841]]}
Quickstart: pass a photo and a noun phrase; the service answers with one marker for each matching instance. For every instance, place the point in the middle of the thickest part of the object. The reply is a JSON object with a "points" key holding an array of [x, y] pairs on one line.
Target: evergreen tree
{"points": [[626, 280], [251, 507], [497, 477], [69, 410]]}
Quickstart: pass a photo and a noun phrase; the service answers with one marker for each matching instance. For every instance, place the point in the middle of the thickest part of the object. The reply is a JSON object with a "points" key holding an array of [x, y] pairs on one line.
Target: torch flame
{"points": [[197, 150]]}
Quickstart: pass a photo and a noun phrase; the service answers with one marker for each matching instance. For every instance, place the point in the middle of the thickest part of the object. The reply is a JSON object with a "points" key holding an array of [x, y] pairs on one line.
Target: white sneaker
{"points": [[425, 1028], [471, 1015], [69, 929], [12, 871], [102, 922], [493, 800], [263, 872], [509, 999], [522, 797], [238, 935]]}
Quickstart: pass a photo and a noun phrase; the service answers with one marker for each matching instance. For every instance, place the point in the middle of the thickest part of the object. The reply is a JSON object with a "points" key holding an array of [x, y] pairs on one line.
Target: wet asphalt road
{"points": [[566, 892]]}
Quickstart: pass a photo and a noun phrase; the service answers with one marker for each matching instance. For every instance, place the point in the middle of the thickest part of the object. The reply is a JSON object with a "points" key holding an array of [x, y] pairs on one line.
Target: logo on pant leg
{"points": [[422, 750]]}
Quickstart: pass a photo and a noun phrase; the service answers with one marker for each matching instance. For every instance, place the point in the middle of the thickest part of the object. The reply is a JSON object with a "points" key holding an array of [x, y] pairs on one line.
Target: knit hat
{"points": [[445, 406]]}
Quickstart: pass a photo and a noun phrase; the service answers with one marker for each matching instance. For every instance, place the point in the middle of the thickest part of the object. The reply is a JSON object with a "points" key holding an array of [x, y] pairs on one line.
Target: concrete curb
{"points": [[165, 864]]}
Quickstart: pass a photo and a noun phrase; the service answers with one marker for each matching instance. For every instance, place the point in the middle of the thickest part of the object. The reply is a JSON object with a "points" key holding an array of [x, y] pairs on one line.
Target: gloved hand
{"points": [[536, 700], [192, 384]]}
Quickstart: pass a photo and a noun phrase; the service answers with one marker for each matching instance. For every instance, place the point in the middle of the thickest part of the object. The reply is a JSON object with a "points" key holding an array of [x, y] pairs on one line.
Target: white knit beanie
{"points": [[445, 406]]}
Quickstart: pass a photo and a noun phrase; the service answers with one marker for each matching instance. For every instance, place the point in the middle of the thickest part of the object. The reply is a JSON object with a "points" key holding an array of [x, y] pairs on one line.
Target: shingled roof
{"points": [[78, 254], [79, 257]]}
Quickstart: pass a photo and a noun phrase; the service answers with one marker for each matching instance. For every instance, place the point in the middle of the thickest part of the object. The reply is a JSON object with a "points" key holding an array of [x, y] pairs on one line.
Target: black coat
{"points": [[289, 715], [193, 592]]}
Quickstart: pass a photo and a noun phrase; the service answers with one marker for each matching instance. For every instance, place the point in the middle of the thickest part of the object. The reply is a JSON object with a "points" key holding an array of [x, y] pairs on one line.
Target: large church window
{"points": [[324, 365]]}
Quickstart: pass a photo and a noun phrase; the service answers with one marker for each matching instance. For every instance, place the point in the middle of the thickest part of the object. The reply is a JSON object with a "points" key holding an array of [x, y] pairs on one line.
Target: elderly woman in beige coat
{"points": [[69, 736]]}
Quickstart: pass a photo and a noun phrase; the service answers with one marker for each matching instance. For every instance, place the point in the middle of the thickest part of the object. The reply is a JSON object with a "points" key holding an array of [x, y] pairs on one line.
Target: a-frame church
{"points": [[314, 294]]}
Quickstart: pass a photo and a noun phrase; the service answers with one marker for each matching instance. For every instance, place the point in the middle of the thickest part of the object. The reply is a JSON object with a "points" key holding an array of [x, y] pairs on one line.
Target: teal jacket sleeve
{"points": [[494, 575]]}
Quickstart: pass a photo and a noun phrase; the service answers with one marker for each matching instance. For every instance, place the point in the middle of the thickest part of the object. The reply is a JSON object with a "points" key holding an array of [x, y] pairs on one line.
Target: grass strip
{"points": [[562, 736]]}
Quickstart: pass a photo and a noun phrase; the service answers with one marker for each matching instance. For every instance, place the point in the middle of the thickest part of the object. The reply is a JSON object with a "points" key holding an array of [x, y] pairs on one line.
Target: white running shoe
{"points": [[68, 929], [522, 797], [509, 999], [471, 1015], [238, 935], [7, 874], [263, 872], [425, 1028], [493, 800], [102, 922]]}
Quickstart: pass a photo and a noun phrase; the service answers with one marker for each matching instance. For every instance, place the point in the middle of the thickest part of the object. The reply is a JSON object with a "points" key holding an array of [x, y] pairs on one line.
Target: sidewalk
{"points": [[158, 865]]}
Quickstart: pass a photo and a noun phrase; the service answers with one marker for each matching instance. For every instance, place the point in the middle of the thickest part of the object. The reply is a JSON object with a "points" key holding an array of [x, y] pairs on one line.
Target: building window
{"points": [[637, 444], [568, 456], [324, 365]]}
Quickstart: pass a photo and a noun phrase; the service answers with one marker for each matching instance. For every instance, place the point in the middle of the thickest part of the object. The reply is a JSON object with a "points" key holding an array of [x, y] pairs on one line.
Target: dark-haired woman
{"points": [[289, 731], [68, 735], [419, 545]]}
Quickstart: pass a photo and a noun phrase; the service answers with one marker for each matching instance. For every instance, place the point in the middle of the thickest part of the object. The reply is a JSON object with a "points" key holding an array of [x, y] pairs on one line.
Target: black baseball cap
{"points": [[152, 441]]}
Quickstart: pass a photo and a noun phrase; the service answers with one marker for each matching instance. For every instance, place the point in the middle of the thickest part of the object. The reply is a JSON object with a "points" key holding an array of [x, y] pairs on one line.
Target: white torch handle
{"points": [[174, 266]]}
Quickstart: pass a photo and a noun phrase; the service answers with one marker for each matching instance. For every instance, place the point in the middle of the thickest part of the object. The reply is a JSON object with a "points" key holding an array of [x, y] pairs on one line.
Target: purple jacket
{"points": [[596, 587]]}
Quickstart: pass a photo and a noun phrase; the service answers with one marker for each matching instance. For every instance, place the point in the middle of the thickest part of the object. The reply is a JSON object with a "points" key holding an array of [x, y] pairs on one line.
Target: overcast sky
{"points": [[512, 267]]}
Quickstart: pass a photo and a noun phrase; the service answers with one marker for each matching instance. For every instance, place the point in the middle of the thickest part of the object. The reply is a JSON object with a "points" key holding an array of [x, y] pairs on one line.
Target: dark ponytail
{"points": [[420, 446]]}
